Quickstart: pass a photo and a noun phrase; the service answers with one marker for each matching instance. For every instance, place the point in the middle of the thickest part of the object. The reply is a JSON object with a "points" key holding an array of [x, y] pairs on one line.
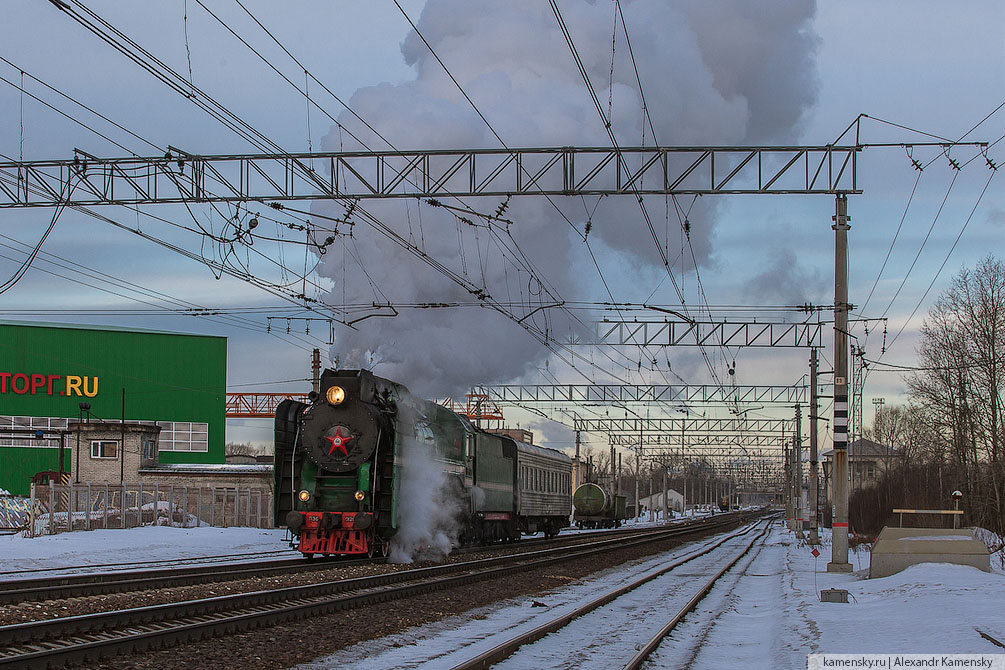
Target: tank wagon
{"points": [[345, 462], [598, 507]]}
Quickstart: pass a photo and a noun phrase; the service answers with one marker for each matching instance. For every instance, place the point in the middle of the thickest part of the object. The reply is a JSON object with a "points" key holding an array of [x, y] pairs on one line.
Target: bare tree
{"points": [[959, 386], [241, 449]]}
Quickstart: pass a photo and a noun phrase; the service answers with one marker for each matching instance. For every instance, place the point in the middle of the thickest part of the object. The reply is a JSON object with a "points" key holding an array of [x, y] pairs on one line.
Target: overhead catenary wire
{"points": [[63, 114], [169, 304], [23, 269], [190, 93], [372, 219], [614, 143], [893, 242], [946, 259], [274, 290], [480, 115], [935, 220]]}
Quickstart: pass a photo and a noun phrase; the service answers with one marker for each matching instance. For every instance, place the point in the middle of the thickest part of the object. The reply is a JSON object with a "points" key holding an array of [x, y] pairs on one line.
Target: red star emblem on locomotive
{"points": [[338, 441]]}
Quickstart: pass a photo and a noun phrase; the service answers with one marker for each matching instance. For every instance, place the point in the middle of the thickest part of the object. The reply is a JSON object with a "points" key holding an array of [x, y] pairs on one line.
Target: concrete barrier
{"points": [[898, 548]]}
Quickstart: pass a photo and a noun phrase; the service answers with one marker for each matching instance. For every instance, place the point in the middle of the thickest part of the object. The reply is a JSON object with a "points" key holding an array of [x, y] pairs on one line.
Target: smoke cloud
{"points": [[720, 73], [429, 502], [785, 281]]}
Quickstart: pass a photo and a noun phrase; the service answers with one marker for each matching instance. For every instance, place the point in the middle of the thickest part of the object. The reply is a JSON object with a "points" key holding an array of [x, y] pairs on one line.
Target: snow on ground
{"points": [[25, 558], [769, 616]]}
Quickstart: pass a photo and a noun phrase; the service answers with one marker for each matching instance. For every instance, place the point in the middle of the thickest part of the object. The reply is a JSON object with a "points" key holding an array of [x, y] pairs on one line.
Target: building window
{"points": [[29, 424], [104, 449], [190, 436], [149, 448]]}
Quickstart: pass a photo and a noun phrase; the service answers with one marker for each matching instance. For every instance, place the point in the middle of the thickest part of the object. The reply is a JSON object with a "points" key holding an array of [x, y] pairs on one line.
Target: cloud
{"points": [[785, 281], [997, 216], [713, 73]]}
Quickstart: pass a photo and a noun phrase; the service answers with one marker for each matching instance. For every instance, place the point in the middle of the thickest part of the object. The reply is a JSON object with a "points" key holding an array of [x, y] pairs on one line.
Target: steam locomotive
{"points": [[365, 462]]}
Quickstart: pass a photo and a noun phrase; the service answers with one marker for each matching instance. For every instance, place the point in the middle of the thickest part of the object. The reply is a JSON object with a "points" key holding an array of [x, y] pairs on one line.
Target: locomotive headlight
{"points": [[335, 395], [360, 495], [304, 495]]}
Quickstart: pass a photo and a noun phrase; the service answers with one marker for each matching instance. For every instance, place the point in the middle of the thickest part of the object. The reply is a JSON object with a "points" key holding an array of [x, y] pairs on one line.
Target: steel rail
{"points": [[87, 637], [72, 586], [506, 649], [643, 654]]}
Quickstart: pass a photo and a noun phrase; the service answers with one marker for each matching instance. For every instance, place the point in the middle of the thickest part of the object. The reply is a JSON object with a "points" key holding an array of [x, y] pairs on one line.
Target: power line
{"points": [[935, 220], [910, 199], [946, 259], [82, 105], [64, 114], [494, 133], [21, 271], [614, 143]]}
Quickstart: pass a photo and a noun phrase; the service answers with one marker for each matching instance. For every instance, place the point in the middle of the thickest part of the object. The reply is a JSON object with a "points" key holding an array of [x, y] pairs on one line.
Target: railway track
{"points": [[621, 627], [89, 637], [119, 581]]}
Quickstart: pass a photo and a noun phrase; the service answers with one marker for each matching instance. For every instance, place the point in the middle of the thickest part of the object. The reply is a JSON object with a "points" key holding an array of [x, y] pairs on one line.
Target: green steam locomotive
{"points": [[366, 463]]}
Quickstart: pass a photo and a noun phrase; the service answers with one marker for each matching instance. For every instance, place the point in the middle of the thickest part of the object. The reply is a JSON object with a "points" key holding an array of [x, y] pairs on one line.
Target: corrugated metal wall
{"points": [[166, 377]]}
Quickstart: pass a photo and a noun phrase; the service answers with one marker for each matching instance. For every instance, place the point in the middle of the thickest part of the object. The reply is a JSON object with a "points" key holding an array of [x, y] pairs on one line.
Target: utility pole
{"points": [[651, 500], [787, 457], [638, 475], [316, 370], [615, 474], [666, 503], [619, 473], [839, 545], [683, 474], [814, 477], [575, 476], [122, 443], [797, 457]]}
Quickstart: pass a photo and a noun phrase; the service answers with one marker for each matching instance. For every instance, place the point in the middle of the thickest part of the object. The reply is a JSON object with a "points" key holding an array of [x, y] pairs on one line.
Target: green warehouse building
{"points": [[52, 376]]}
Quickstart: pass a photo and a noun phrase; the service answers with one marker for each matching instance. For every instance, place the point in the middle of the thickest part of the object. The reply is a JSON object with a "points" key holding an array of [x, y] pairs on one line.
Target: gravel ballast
{"points": [[302, 641]]}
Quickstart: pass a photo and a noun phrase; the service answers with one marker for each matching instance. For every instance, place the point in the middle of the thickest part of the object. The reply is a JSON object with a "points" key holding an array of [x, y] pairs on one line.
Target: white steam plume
{"points": [[729, 72], [429, 502]]}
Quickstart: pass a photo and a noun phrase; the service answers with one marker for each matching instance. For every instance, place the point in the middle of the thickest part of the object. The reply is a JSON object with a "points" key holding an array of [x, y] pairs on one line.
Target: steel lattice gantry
{"points": [[674, 427], [720, 441], [762, 468], [688, 332], [183, 177], [258, 405], [621, 393]]}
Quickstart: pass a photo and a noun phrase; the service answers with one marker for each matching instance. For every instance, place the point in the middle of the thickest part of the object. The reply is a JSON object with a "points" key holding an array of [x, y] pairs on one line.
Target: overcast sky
{"points": [[723, 73]]}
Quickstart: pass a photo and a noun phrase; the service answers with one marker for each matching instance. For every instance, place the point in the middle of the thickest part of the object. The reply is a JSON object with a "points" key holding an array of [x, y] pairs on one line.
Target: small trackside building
{"points": [[54, 376]]}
